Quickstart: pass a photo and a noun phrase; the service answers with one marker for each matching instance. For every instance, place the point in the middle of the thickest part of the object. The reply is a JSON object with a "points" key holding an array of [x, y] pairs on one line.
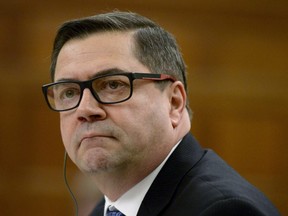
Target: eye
{"points": [[111, 84], [114, 84], [68, 93]]}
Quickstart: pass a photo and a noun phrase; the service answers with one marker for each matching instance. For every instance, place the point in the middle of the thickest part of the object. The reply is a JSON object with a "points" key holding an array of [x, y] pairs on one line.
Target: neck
{"points": [[115, 183]]}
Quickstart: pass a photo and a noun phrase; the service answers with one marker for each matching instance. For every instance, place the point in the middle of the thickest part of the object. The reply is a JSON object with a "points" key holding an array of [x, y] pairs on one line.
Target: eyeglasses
{"points": [[106, 89]]}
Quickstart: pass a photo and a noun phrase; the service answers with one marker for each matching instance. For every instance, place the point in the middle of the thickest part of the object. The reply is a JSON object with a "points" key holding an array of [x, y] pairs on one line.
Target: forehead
{"points": [[83, 58]]}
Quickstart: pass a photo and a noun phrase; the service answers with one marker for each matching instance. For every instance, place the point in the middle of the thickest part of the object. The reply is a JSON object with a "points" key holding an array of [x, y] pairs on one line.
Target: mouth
{"points": [[95, 140], [96, 136]]}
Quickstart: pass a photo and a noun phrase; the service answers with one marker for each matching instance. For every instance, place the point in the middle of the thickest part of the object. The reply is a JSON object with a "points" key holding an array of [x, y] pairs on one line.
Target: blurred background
{"points": [[236, 52]]}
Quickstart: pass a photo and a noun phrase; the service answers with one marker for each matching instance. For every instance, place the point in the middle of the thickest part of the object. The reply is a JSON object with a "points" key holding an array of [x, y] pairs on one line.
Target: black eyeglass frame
{"points": [[88, 84]]}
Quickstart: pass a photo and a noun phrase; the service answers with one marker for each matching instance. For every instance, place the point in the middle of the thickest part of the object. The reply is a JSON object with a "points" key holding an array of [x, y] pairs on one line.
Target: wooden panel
{"points": [[237, 60]]}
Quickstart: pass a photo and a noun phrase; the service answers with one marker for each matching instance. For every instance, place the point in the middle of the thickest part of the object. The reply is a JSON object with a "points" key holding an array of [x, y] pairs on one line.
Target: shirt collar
{"points": [[129, 203]]}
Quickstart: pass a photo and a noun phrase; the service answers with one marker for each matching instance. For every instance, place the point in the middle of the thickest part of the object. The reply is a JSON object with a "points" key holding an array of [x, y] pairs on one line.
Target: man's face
{"points": [[111, 137]]}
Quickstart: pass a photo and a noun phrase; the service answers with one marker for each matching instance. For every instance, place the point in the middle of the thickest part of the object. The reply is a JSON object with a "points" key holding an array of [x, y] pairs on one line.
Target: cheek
{"points": [[141, 119], [66, 128]]}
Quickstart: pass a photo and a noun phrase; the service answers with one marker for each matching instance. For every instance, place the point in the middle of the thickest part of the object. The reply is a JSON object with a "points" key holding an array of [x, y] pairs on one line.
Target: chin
{"points": [[94, 162]]}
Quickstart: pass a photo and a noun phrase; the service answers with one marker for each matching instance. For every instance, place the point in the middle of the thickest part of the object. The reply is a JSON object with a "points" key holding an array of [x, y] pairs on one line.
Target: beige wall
{"points": [[237, 61]]}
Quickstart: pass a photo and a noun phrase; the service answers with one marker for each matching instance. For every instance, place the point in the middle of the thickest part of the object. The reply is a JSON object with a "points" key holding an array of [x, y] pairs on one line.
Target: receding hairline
{"points": [[128, 36], [80, 37], [130, 33]]}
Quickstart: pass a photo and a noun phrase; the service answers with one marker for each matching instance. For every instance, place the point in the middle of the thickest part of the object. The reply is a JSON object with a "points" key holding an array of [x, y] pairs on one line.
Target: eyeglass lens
{"points": [[107, 89]]}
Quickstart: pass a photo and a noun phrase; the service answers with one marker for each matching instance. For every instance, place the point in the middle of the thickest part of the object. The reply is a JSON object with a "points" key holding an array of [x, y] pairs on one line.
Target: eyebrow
{"points": [[99, 73]]}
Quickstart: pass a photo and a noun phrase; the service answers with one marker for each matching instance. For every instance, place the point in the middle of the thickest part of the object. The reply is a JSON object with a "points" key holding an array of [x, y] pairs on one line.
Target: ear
{"points": [[177, 102]]}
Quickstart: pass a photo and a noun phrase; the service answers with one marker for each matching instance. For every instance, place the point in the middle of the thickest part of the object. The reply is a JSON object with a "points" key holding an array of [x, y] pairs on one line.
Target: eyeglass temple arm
{"points": [[149, 76]]}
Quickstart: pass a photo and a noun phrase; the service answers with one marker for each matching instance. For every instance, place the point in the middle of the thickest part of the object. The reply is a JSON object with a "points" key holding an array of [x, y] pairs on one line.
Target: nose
{"points": [[90, 109]]}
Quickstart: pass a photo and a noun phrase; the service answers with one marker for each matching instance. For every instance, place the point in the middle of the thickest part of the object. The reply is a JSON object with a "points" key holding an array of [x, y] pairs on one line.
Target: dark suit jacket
{"points": [[195, 182]]}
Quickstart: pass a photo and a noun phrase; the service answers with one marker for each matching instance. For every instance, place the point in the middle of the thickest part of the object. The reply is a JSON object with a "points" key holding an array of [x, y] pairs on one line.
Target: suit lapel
{"points": [[185, 156], [99, 210]]}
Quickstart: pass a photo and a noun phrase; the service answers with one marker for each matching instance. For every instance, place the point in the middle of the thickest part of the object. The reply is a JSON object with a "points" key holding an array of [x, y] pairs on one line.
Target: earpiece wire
{"points": [[67, 184]]}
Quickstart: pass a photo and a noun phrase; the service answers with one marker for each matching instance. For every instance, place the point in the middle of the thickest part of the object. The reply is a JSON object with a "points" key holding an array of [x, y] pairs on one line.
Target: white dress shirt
{"points": [[129, 203]]}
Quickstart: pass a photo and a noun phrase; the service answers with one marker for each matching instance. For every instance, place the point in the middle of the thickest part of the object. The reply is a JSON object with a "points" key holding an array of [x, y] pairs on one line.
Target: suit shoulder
{"points": [[213, 186], [236, 206]]}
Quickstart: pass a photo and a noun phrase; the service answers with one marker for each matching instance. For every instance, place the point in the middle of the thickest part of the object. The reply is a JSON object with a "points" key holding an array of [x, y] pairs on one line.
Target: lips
{"points": [[91, 134], [95, 138]]}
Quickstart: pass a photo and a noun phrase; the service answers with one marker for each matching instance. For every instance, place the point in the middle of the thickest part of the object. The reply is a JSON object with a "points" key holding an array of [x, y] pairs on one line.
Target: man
{"points": [[119, 84]]}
